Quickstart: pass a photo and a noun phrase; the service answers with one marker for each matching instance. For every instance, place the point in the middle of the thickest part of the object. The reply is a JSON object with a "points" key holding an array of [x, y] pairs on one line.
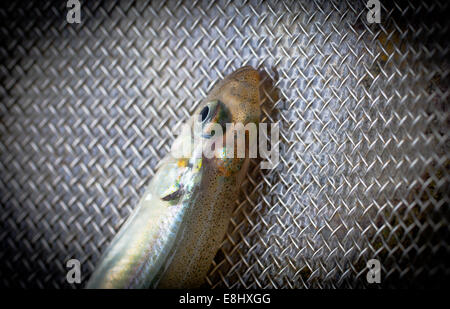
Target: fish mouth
{"points": [[247, 75], [244, 70]]}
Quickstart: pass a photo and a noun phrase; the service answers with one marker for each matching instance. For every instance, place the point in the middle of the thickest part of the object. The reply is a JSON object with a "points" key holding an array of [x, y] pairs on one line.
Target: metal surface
{"points": [[88, 110]]}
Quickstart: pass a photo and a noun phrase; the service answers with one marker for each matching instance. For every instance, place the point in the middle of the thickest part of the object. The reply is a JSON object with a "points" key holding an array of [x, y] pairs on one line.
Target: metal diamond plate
{"points": [[87, 111]]}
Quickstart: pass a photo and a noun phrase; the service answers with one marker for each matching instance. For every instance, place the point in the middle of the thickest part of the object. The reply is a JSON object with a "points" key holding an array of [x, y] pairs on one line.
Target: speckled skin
{"points": [[170, 242], [207, 223]]}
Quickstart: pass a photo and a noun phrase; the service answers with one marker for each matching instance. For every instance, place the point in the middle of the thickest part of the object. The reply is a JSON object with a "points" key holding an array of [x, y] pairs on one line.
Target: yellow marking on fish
{"points": [[182, 163]]}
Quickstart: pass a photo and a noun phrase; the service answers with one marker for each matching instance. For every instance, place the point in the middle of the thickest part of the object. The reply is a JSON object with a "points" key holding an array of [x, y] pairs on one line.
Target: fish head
{"points": [[233, 104], [234, 99]]}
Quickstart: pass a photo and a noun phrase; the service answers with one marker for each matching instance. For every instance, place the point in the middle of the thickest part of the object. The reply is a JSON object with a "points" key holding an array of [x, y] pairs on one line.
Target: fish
{"points": [[172, 236]]}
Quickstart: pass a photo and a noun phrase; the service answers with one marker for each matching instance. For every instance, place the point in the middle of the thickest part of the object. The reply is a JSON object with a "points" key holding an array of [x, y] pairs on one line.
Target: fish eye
{"points": [[204, 113], [214, 112]]}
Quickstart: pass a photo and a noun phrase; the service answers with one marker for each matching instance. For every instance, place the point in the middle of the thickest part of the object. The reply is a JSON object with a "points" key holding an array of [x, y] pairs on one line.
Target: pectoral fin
{"points": [[173, 195]]}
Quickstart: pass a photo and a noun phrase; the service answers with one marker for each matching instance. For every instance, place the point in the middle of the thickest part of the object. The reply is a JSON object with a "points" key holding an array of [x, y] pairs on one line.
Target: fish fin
{"points": [[175, 195]]}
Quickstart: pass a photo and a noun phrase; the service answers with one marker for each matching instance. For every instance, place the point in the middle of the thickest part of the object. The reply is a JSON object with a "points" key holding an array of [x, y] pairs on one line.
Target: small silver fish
{"points": [[171, 238]]}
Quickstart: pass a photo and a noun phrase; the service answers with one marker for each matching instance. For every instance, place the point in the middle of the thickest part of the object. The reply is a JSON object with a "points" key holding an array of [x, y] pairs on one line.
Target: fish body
{"points": [[172, 236]]}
